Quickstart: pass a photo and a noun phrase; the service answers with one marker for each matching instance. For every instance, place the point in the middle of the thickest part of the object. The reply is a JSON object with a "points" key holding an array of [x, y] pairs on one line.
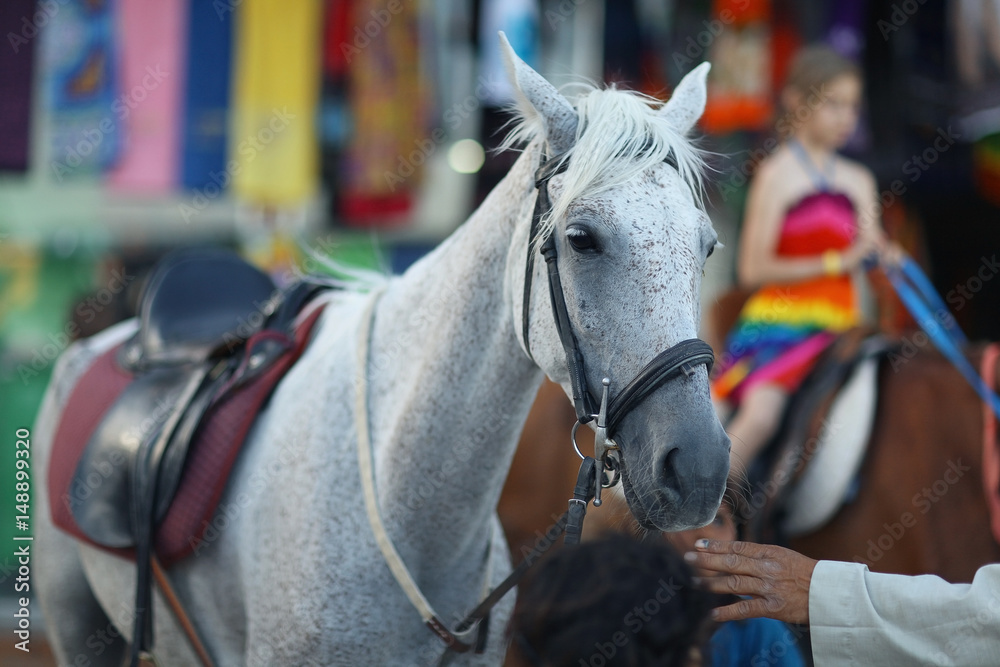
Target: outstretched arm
{"points": [[858, 617]]}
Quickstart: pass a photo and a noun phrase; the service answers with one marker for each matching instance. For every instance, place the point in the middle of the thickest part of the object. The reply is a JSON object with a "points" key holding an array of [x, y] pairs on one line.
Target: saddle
{"points": [[839, 389], [215, 335]]}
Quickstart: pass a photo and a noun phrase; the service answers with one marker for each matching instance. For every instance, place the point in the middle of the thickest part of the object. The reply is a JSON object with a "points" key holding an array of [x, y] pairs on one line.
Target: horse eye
{"points": [[580, 239], [711, 249]]}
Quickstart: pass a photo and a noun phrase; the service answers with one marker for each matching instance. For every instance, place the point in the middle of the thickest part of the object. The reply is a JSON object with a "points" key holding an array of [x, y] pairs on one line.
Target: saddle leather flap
{"points": [[107, 466]]}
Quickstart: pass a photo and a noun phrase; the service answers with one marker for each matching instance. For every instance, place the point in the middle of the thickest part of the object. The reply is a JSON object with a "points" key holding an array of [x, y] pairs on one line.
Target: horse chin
{"points": [[661, 514]]}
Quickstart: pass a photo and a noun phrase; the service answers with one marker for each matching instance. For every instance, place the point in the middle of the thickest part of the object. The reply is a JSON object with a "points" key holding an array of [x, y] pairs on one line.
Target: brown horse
{"points": [[920, 506]]}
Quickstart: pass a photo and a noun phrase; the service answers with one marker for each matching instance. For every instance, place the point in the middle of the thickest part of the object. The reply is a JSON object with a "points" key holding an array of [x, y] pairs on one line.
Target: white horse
{"points": [[297, 577]]}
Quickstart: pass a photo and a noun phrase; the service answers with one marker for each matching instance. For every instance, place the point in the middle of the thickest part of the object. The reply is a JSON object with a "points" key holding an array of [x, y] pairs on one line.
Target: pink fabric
{"points": [[792, 365], [829, 212], [149, 100], [991, 455]]}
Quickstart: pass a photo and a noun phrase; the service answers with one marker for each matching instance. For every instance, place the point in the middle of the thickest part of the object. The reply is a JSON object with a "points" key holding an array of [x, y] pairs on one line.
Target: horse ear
{"points": [[537, 98], [686, 105]]}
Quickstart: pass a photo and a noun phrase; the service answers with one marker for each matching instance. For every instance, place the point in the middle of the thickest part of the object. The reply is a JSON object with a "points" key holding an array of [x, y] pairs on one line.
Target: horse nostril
{"points": [[668, 469]]}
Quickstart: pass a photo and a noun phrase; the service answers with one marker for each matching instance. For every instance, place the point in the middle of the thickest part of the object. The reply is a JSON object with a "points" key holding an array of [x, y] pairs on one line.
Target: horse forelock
{"points": [[620, 134]]}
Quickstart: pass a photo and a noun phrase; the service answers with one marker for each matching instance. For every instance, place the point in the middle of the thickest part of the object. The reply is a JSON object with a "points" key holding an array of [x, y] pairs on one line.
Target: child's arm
{"points": [[758, 263]]}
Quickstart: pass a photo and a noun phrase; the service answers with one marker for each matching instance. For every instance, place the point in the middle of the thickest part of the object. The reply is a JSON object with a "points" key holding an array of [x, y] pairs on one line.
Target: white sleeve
{"points": [[857, 617]]}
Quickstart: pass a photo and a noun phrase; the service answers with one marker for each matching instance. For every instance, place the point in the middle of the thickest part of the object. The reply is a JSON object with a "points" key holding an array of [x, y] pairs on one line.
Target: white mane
{"points": [[620, 134]]}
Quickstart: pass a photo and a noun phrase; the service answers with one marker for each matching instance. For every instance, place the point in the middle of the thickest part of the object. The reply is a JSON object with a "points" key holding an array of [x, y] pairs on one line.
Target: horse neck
{"points": [[450, 386]]}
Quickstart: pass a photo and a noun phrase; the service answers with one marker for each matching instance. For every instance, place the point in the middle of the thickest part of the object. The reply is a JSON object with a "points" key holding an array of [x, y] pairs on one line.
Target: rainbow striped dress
{"points": [[783, 328]]}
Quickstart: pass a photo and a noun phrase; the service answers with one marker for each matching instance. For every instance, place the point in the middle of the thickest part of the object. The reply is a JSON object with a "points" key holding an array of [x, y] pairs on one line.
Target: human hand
{"points": [[776, 578], [891, 254], [862, 249]]}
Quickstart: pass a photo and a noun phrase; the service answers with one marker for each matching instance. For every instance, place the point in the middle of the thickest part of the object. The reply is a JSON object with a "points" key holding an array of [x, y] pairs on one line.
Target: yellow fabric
{"points": [[273, 144]]}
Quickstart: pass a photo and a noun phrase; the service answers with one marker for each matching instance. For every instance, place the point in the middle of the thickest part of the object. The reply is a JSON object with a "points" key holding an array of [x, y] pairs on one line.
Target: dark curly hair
{"points": [[613, 602]]}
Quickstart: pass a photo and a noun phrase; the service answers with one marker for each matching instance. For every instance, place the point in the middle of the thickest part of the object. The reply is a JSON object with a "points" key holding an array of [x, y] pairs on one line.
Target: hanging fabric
{"points": [[334, 112], [740, 84], [388, 147], [77, 63], [277, 74], [206, 99], [149, 97], [20, 23]]}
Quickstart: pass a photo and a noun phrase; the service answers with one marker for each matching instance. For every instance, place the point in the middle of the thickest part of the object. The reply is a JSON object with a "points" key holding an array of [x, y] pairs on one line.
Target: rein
{"points": [[920, 298], [460, 640]]}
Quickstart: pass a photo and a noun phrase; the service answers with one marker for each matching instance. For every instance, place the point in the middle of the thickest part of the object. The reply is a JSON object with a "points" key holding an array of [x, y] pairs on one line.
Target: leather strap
{"points": [[583, 492], [546, 170], [456, 641], [144, 493], [182, 618], [582, 400], [682, 357]]}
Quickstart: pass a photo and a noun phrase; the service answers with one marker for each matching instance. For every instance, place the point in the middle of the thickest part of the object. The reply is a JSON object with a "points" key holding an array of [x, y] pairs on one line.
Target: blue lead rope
{"points": [[927, 308]]}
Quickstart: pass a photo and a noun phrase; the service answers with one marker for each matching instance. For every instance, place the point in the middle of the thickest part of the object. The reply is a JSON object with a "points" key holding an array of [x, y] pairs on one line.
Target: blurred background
{"points": [[364, 130]]}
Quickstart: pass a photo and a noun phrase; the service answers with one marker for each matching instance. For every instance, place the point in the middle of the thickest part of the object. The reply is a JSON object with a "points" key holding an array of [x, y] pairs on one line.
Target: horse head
{"points": [[623, 225]]}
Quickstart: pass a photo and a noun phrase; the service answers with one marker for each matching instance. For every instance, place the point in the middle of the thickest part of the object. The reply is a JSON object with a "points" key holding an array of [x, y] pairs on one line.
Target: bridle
{"points": [[684, 357]]}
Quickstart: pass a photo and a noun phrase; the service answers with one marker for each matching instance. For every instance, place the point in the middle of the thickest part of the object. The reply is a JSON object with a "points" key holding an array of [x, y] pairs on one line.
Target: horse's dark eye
{"points": [[580, 239], [711, 249]]}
